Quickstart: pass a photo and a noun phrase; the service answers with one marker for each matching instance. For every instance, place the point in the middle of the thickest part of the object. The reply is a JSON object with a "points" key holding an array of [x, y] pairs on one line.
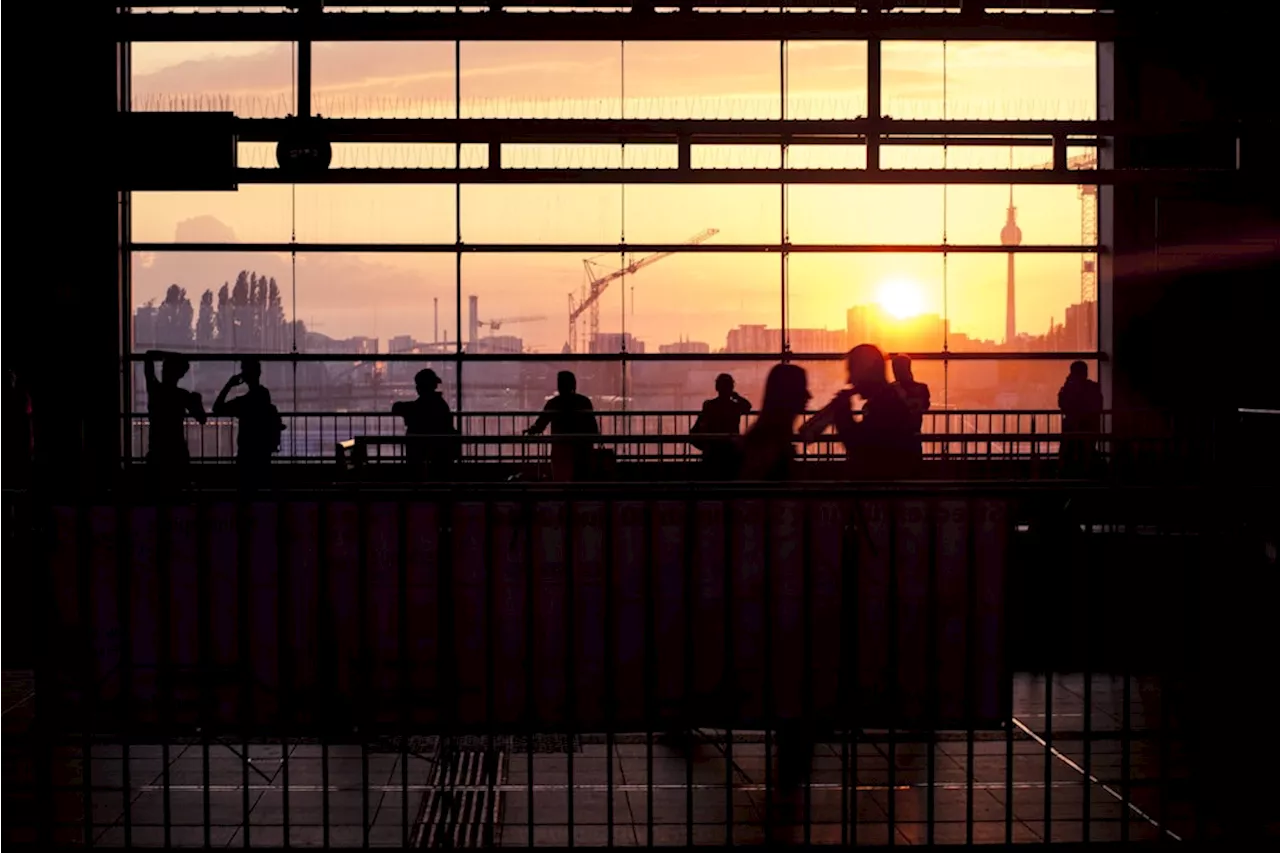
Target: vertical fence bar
{"points": [[650, 661], [490, 765], [690, 556], [284, 657], [570, 655], [204, 629], [771, 744], [124, 593], [362, 644], [895, 696], [403, 661], [610, 678], [90, 650], [326, 627], [933, 702], [164, 577], [530, 681], [243, 641], [806, 687], [1088, 567], [729, 687]]}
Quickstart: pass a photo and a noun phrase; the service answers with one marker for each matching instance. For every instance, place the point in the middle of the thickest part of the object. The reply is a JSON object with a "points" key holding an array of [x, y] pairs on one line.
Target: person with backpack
{"points": [[259, 423]]}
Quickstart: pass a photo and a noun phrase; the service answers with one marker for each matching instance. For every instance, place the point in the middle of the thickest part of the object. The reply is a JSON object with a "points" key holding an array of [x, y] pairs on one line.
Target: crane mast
{"points": [[589, 301]]}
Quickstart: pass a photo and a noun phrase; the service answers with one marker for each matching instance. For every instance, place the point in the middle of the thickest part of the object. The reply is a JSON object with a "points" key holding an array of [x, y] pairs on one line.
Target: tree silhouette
{"points": [[205, 322], [276, 338], [225, 320], [240, 334], [173, 319]]}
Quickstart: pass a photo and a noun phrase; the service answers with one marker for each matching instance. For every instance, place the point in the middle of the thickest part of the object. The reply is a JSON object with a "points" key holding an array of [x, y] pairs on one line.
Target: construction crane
{"points": [[1088, 226], [495, 325], [595, 286]]}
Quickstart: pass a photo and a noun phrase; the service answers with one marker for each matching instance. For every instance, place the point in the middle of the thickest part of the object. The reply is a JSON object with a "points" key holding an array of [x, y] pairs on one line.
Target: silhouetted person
{"points": [[914, 394], [568, 414], [880, 441], [168, 406], [1080, 401], [768, 447], [721, 416], [19, 437], [260, 425], [429, 415]]}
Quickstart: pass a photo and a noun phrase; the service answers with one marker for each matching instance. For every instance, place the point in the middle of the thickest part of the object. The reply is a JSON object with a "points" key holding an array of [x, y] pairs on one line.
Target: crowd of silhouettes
{"points": [[882, 436]]}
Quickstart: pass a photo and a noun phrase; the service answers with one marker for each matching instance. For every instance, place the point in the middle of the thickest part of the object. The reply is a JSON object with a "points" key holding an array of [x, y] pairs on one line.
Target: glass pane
{"points": [[990, 80], [250, 79], [248, 302], [541, 79], [739, 80], [391, 79]]}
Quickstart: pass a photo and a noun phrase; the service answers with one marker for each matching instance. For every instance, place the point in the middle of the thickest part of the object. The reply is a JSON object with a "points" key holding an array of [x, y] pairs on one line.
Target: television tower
{"points": [[1010, 235]]}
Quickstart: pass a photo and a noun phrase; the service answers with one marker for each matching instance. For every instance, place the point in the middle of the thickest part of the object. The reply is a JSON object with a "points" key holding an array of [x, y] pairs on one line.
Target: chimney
{"points": [[473, 322]]}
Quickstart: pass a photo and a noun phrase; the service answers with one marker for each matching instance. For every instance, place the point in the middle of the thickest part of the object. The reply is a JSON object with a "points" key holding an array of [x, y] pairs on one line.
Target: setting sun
{"points": [[900, 298]]}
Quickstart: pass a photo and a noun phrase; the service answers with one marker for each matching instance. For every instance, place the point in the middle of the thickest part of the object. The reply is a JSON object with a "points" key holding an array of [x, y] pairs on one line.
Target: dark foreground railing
{"points": [[666, 665]]}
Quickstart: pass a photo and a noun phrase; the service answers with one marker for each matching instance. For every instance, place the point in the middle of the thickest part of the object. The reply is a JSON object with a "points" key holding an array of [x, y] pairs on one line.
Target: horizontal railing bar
{"points": [[622, 248], [1078, 132], [659, 438], [714, 176], [637, 413], [564, 358]]}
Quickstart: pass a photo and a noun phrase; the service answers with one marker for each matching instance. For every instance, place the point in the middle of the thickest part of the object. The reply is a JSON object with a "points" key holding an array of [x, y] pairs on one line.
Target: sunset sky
{"points": [[687, 296]]}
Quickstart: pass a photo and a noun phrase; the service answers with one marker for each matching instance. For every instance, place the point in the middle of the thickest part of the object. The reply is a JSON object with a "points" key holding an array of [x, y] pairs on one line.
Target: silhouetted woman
{"points": [[767, 448], [880, 439], [168, 406]]}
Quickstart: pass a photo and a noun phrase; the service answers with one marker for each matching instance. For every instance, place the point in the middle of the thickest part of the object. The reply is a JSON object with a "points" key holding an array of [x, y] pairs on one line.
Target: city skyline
{"points": [[687, 295]]}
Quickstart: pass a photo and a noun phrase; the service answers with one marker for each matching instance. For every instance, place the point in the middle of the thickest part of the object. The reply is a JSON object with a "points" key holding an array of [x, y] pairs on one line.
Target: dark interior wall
{"points": [[62, 327], [1194, 288]]}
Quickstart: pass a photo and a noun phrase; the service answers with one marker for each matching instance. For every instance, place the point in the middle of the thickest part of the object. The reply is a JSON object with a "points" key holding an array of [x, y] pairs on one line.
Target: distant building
{"points": [[871, 324], [685, 348], [609, 342], [497, 344], [757, 338], [401, 343]]}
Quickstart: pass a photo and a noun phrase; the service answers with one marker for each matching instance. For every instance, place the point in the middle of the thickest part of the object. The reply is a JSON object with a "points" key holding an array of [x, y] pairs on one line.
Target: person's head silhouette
{"points": [[566, 382], [173, 369], [426, 381], [724, 385], [786, 391], [251, 372], [902, 368], [1079, 370], [866, 365]]}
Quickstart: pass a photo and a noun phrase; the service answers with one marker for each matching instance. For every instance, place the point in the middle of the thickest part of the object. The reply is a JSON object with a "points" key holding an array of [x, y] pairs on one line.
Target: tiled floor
{"points": [[631, 791]]}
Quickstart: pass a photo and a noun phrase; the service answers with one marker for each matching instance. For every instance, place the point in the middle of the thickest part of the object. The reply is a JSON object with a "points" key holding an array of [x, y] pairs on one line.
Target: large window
{"points": [[351, 288]]}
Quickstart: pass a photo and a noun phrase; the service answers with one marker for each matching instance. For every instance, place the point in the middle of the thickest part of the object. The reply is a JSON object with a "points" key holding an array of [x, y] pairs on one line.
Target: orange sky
{"points": [[698, 297]]}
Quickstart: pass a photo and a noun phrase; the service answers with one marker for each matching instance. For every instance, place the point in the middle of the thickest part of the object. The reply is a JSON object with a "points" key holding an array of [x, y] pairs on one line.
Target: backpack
{"points": [[275, 427]]}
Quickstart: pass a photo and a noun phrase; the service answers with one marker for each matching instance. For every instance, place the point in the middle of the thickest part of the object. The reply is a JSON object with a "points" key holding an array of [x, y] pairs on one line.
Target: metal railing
{"points": [[513, 666], [657, 435]]}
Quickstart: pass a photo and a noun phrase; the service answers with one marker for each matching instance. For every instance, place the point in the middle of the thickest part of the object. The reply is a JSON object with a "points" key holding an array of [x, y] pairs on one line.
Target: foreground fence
{"points": [[665, 665], [541, 613]]}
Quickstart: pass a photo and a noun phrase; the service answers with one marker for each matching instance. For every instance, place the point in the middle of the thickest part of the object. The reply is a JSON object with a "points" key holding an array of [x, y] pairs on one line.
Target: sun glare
{"points": [[901, 298]]}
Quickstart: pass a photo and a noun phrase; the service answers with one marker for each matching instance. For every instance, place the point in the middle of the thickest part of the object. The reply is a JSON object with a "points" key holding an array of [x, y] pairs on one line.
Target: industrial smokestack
{"points": [[473, 322], [435, 331]]}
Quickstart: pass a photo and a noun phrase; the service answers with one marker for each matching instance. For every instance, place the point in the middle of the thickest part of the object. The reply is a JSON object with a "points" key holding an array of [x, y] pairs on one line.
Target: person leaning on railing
{"points": [[429, 415]]}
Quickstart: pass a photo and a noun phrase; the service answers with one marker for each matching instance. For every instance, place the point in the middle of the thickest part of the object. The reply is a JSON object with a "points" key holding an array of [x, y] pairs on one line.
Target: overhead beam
{"points": [[687, 25], [1162, 177], [618, 248]]}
